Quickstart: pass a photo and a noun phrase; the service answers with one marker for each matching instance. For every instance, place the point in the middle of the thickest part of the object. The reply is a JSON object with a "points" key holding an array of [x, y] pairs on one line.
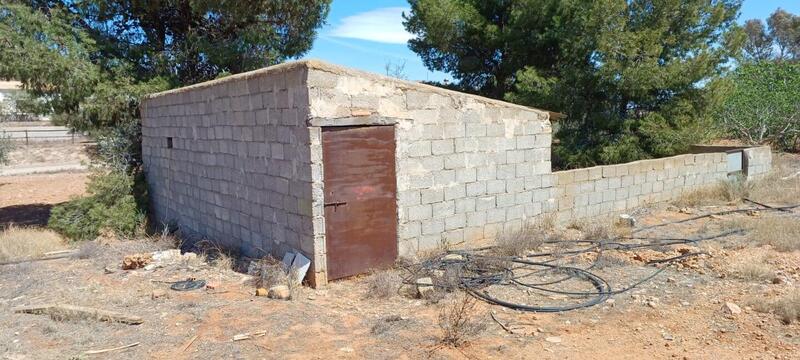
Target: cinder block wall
{"points": [[239, 171], [467, 166], [603, 190], [759, 161]]}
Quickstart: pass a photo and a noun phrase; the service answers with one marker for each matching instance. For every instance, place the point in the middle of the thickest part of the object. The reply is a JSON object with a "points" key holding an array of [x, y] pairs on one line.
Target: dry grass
{"points": [[26, 243], [593, 229], [782, 233], [382, 284], [88, 250], [529, 237], [786, 307], [611, 259], [731, 190], [782, 185], [755, 269], [459, 322], [268, 272]]}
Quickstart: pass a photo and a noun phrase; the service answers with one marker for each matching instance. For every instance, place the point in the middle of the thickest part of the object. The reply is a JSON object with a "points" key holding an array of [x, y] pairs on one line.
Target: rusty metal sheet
{"points": [[360, 199]]}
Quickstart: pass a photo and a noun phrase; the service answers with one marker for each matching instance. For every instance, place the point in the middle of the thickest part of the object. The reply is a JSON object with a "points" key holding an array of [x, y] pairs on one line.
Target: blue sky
{"points": [[369, 34]]}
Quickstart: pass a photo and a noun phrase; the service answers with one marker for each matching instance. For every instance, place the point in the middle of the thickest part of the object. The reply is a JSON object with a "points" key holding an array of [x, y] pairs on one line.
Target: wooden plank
{"points": [[83, 312], [92, 352]]}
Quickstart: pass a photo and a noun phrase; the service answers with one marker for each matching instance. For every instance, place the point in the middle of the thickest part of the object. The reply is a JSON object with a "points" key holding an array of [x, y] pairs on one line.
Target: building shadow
{"points": [[25, 215]]}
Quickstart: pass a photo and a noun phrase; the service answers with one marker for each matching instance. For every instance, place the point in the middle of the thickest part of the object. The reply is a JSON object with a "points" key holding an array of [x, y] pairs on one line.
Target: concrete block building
{"points": [[352, 169]]}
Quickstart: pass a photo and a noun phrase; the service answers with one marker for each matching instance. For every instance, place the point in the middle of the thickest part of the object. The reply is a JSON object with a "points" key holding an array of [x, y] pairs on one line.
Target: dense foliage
{"points": [[629, 74], [110, 205], [763, 104], [89, 63]]}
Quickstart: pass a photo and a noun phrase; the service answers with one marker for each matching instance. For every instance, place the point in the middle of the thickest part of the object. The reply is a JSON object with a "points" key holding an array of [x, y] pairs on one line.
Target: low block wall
{"points": [[758, 161], [608, 189]]}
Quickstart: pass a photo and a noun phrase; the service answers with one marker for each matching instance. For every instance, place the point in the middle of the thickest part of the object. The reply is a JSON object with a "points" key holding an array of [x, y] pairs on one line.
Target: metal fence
{"points": [[29, 135]]}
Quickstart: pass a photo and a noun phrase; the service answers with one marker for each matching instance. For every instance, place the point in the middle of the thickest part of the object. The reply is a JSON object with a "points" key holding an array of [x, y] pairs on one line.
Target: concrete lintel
{"points": [[354, 121]]}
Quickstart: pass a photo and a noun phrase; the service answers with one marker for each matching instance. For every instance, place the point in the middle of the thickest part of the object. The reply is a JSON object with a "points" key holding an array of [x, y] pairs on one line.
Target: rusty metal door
{"points": [[360, 199]]}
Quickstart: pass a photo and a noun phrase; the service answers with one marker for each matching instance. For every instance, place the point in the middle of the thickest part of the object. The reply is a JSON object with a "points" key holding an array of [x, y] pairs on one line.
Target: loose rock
{"points": [[261, 292], [731, 308], [453, 257], [280, 292], [135, 261], [626, 220], [424, 287], [553, 339]]}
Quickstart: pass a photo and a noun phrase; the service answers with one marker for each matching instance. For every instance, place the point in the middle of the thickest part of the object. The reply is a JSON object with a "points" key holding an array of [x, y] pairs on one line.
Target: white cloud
{"points": [[383, 25]]}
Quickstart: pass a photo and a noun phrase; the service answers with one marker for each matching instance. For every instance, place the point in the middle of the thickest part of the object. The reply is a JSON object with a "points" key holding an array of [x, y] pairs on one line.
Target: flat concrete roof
{"points": [[313, 64]]}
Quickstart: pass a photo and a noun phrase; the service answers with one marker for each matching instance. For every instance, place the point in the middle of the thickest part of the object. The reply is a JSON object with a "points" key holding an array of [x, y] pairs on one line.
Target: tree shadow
{"points": [[25, 215]]}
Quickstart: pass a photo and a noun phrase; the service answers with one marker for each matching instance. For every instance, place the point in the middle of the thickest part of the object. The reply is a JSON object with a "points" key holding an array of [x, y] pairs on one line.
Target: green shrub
{"points": [[109, 205], [763, 105]]}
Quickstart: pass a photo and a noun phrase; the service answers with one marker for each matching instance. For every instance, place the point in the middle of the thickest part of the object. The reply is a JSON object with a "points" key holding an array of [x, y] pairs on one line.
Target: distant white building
{"points": [[8, 91]]}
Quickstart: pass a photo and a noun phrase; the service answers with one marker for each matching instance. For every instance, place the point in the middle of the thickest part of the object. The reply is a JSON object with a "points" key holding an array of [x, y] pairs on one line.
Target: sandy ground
{"points": [[27, 200], [678, 314], [47, 153]]}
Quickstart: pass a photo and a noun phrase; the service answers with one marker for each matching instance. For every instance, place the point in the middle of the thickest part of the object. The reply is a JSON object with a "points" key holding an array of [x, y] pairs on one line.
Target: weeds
{"points": [[459, 323], [786, 307], [781, 185], [267, 272], [782, 233], [518, 242], [382, 284], [753, 269], [388, 324], [88, 250], [24, 243], [610, 259]]}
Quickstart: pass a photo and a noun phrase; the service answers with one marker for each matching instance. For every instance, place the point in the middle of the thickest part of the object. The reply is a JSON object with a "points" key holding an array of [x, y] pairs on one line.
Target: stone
{"points": [[280, 292], [453, 257], [553, 339], [261, 292], [211, 285], [424, 287], [135, 261], [731, 308], [626, 220]]}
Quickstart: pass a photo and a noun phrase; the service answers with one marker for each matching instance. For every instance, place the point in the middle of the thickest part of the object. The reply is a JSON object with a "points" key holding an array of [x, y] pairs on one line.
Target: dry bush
{"points": [[518, 242], [25, 243], [710, 195], [598, 231], [593, 229], [786, 307], [268, 272], [389, 324], [755, 270], [736, 189], [781, 185], [88, 250], [610, 259], [382, 284], [782, 233], [459, 322], [214, 254]]}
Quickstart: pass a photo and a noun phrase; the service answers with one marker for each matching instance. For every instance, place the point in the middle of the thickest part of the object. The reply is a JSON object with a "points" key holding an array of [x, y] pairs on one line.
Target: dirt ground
{"points": [[680, 313], [47, 153], [27, 200]]}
